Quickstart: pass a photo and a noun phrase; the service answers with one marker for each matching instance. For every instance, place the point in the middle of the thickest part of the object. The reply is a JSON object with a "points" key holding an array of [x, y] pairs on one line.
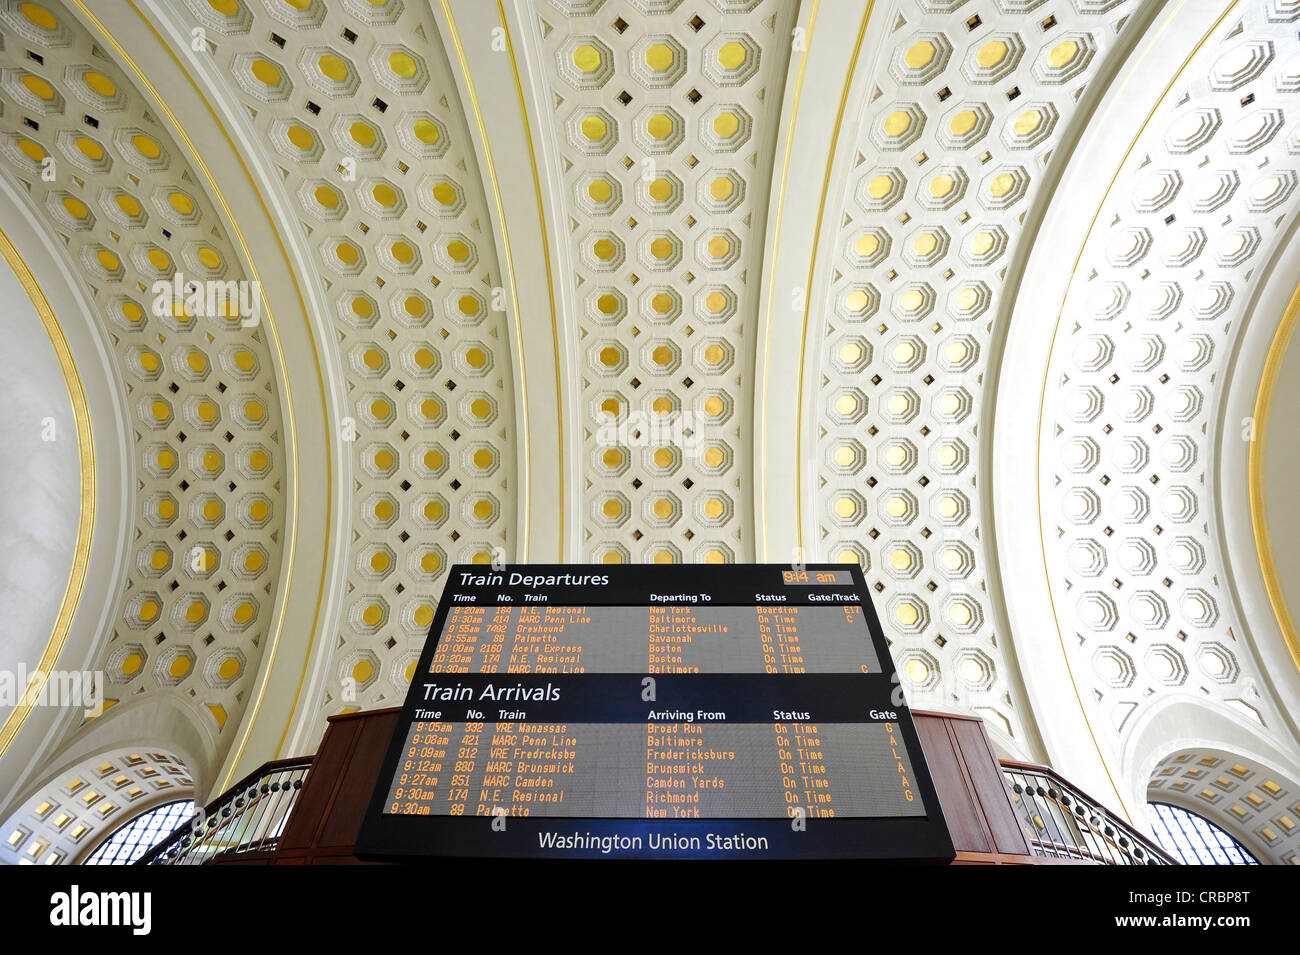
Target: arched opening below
{"points": [[132, 840], [1193, 839]]}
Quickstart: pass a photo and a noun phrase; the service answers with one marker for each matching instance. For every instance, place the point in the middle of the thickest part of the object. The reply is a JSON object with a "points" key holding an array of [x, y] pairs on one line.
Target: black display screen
{"points": [[656, 711]]}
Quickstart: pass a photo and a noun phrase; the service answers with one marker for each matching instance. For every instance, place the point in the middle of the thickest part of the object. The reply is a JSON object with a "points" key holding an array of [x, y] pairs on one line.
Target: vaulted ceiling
{"points": [[991, 297]]}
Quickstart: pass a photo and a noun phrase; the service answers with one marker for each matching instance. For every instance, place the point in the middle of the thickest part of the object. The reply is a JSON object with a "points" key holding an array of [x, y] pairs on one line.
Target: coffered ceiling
{"points": [[969, 292]]}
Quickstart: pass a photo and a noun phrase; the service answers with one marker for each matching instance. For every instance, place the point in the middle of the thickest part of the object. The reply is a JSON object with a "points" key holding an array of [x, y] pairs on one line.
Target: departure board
{"points": [[658, 711]]}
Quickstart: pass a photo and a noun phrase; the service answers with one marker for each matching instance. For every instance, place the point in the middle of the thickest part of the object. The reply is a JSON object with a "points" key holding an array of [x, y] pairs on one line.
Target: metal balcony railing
{"points": [[249, 817], [1062, 822]]}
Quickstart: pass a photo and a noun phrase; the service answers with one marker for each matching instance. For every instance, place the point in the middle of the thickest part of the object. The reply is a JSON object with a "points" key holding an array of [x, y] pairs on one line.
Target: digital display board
{"points": [[656, 711]]}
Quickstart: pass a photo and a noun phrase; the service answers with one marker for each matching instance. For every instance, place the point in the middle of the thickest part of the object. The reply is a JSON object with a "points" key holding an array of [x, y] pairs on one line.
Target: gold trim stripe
{"points": [[812, 268], [89, 483], [1277, 350], [771, 274], [546, 252], [525, 431]]}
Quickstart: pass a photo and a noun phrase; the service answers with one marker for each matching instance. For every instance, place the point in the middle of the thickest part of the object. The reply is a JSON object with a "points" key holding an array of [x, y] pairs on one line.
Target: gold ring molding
{"points": [[86, 519], [1273, 362]]}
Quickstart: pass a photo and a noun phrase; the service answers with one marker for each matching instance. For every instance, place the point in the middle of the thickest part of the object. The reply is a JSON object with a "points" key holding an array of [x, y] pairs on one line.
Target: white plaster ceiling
{"points": [[41, 475]]}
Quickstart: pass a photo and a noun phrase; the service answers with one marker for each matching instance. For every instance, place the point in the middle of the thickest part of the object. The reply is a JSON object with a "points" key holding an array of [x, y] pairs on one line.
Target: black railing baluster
{"points": [[1064, 823], [243, 823], [266, 806]]}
